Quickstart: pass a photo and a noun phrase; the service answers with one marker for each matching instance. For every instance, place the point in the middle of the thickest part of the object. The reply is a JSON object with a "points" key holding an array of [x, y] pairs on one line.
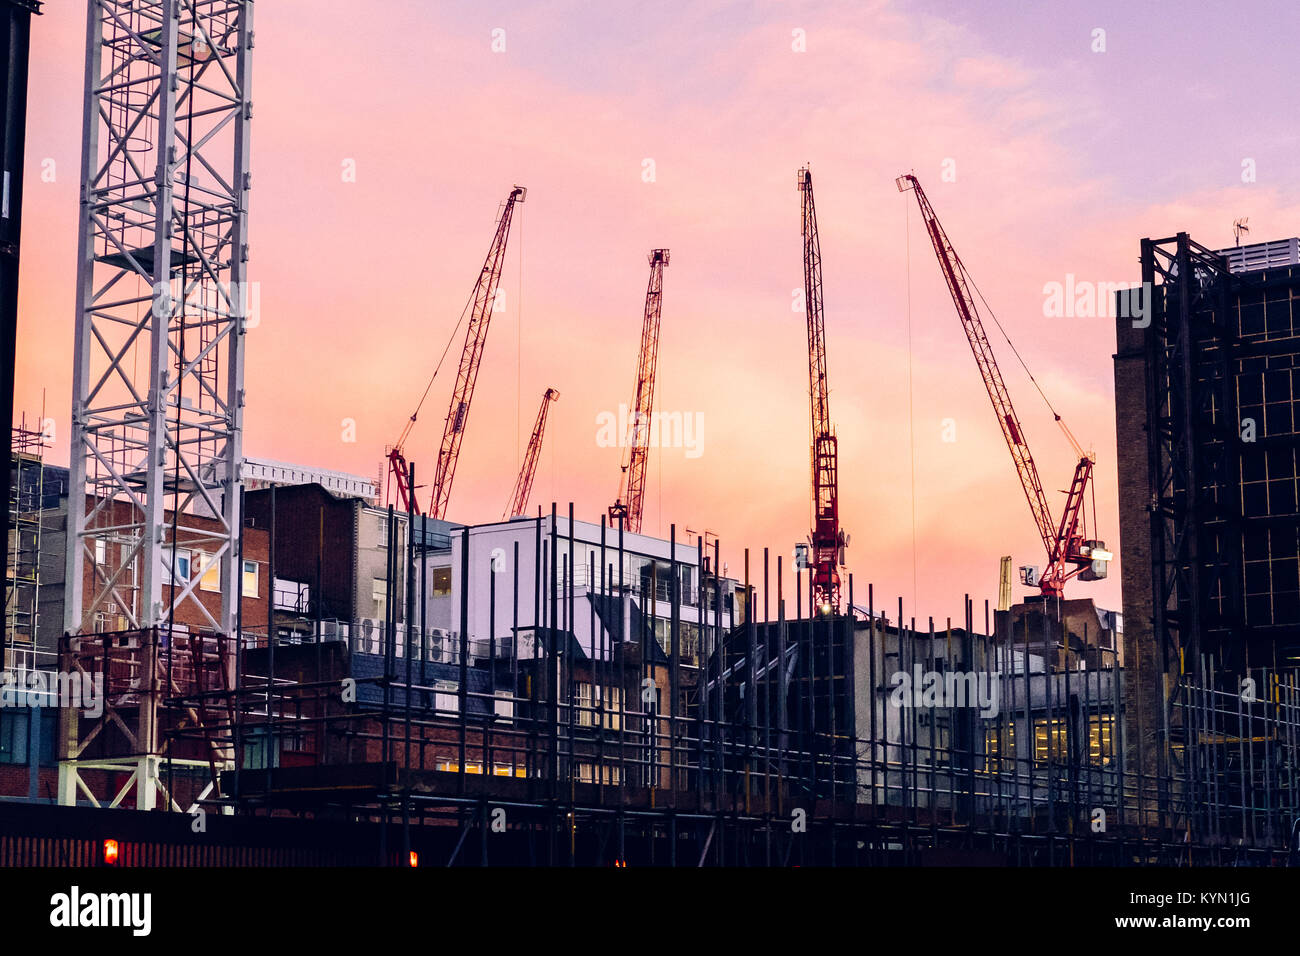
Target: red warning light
{"points": [[110, 852], [414, 859]]}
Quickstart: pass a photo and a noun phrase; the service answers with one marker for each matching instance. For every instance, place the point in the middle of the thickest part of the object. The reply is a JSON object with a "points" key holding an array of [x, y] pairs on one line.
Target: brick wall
{"points": [[1144, 682]]}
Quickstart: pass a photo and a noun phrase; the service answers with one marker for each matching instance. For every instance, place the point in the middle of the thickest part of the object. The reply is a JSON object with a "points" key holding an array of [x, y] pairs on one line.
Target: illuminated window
{"points": [[1101, 749], [452, 766], [1000, 749], [1050, 746], [442, 581], [211, 580]]}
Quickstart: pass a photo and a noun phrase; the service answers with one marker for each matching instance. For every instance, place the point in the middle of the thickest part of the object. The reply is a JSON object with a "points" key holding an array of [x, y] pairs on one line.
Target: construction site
{"points": [[326, 669]]}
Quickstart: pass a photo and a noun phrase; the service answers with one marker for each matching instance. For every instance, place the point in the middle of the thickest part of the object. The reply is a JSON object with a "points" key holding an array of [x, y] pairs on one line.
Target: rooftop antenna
{"points": [[1239, 228]]}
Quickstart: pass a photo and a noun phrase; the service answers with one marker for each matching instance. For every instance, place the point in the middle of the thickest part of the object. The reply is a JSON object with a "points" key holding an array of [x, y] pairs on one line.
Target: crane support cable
{"points": [[437, 368], [1078, 449]]}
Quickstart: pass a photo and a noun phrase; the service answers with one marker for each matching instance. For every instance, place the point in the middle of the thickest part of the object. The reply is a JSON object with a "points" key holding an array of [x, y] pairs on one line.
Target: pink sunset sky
{"points": [[1064, 158]]}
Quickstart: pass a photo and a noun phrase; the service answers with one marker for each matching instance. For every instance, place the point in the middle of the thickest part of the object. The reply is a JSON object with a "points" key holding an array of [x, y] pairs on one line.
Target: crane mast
{"points": [[632, 483], [1067, 552], [827, 539], [518, 503]]}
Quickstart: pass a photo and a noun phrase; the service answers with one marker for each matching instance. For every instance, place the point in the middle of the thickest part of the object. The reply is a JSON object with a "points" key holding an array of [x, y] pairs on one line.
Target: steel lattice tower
{"points": [[161, 314]]}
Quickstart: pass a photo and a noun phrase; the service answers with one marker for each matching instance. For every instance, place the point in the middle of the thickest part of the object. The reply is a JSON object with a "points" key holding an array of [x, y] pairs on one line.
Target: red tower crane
{"points": [[518, 503], [1068, 553], [631, 490], [481, 305], [827, 540]]}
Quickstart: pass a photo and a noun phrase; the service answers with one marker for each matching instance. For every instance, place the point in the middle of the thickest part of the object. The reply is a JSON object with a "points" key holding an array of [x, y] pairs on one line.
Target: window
{"points": [[1101, 749], [250, 579], [503, 705], [1000, 749], [379, 592], [452, 766], [610, 774], [101, 551], [442, 581], [591, 697], [13, 736], [49, 730], [255, 749], [1050, 743], [180, 559], [446, 696], [211, 579]]}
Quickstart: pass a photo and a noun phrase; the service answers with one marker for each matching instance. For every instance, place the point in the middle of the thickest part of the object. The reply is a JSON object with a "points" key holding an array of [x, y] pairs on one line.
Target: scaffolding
{"points": [[784, 741], [26, 521]]}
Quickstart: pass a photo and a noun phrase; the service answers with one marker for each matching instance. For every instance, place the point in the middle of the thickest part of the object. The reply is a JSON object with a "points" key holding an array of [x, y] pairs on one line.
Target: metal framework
{"points": [[1064, 543], [162, 304], [784, 712], [827, 538], [15, 50], [518, 503], [19, 650], [1193, 448], [631, 492]]}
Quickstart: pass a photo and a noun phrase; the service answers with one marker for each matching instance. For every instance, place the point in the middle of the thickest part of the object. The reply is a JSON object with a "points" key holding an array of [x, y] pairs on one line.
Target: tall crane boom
{"points": [[518, 503], [480, 307], [1067, 552], [827, 539], [631, 491], [480, 316]]}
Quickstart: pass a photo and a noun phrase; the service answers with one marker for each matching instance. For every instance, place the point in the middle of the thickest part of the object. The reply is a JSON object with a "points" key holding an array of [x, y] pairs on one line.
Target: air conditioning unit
{"points": [[439, 646], [371, 637]]}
